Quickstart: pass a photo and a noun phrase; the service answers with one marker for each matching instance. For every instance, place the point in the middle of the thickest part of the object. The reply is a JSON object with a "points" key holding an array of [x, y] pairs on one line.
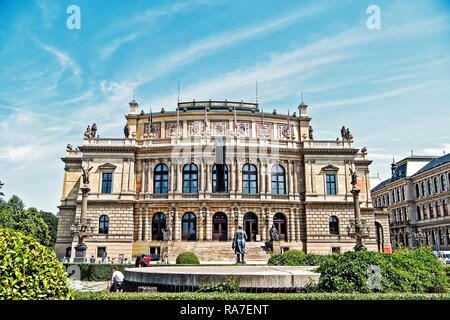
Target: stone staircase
{"points": [[209, 251]]}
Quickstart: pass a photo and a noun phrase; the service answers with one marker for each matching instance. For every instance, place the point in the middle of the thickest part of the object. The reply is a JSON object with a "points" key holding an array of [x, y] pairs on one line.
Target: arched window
{"points": [[443, 183], [215, 176], [379, 235], [438, 208], [423, 189], [424, 211], [279, 220], [161, 178], [418, 215], [430, 191], [398, 195], [249, 179], [190, 178], [417, 191], [445, 207], [103, 224], [334, 225], [403, 194], [430, 207], [436, 185], [387, 199], [189, 226], [158, 224], [278, 180]]}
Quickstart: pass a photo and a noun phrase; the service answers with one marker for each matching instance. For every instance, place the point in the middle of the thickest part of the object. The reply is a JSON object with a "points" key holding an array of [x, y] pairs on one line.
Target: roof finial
{"points": [[134, 94], [256, 92], [302, 96], [178, 99]]}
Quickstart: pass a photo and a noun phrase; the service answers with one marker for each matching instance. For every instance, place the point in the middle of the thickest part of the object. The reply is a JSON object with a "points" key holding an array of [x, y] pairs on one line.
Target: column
{"points": [[294, 169], [261, 186], [145, 229], [143, 174], [137, 224], [179, 178], [268, 177], [238, 177], [291, 225], [231, 223], [143, 218], [209, 177], [131, 177], [202, 177], [177, 228], [231, 184], [264, 226], [200, 225], [290, 175], [240, 218], [171, 176], [297, 223], [150, 176], [208, 222]]}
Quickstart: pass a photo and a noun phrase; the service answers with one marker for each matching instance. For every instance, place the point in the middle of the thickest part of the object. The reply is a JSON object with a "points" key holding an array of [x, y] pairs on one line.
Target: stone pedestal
{"points": [[276, 247], [80, 253]]}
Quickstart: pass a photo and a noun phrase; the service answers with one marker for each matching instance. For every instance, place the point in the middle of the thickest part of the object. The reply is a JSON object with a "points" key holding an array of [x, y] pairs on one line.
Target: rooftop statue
{"points": [[85, 175]]}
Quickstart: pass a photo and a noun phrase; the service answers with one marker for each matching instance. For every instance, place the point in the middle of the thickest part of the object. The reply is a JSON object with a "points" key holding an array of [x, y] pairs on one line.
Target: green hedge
{"points": [[187, 257], [29, 270], [97, 271], [296, 258], [257, 296]]}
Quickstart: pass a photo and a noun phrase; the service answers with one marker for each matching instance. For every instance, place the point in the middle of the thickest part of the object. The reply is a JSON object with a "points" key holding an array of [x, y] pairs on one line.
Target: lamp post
{"points": [[357, 228], [82, 226]]}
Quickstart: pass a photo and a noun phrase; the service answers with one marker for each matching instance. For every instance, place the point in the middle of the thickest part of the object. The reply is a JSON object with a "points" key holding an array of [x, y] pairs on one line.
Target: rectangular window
{"points": [[331, 184], [106, 182], [335, 249], [100, 251]]}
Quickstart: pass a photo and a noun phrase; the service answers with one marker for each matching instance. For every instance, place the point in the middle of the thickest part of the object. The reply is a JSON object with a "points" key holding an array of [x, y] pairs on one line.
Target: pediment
{"points": [[107, 167], [330, 168]]}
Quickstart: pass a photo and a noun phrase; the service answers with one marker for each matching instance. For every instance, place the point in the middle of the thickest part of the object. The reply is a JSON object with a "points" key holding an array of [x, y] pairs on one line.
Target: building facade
{"points": [[416, 198], [186, 179]]}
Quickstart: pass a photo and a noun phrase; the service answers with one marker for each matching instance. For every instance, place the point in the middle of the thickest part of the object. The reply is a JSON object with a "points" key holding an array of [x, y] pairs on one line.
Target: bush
{"points": [[221, 286], [187, 257], [30, 270], [402, 271], [296, 258], [97, 271]]}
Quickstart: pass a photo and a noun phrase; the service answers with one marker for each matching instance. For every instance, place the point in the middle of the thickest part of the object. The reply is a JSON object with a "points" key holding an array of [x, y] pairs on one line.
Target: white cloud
{"points": [[108, 50]]}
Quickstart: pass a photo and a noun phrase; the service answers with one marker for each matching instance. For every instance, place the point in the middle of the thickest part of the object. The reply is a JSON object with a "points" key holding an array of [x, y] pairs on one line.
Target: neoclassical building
{"points": [[192, 176], [416, 198]]}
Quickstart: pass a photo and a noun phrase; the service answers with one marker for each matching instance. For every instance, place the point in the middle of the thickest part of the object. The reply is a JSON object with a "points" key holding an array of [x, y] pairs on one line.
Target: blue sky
{"points": [[389, 86]]}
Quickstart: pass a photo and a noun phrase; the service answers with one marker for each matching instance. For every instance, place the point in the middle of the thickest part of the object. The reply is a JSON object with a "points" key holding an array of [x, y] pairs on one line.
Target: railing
{"points": [[73, 153], [109, 142], [328, 144]]}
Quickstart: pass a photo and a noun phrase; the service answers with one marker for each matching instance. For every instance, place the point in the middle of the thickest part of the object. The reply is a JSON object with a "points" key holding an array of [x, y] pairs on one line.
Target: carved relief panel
{"points": [[195, 127], [171, 127], [283, 132], [154, 132], [244, 129], [219, 128], [264, 131]]}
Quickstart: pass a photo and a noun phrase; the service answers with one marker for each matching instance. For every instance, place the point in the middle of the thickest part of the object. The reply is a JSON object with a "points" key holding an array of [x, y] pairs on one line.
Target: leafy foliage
{"points": [[30, 270], [187, 257], [13, 215], [402, 271], [296, 258], [221, 286], [52, 222]]}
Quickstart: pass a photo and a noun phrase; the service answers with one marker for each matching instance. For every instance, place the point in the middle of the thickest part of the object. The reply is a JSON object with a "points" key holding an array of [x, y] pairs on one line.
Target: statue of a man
{"points": [[87, 133], [93, 130], [166, 233], [274, 233], [311, 132], [344, 133], [239, 244], [126, 131], [348, 135]]}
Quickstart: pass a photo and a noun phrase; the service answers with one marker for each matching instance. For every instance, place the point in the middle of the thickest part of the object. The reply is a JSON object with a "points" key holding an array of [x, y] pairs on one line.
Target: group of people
{"points": [[144, 260]]}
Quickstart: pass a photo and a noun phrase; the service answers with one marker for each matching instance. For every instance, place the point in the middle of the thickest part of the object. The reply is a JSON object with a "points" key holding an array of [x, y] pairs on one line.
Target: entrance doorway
{"points": [[158, 224], [379, 234], [279, 220], [189, 224], [220, 227], [251, 225]]}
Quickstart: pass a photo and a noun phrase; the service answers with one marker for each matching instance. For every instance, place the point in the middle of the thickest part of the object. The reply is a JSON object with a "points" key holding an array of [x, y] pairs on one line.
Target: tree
{"points": [[52, 222], [1, 185]]}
